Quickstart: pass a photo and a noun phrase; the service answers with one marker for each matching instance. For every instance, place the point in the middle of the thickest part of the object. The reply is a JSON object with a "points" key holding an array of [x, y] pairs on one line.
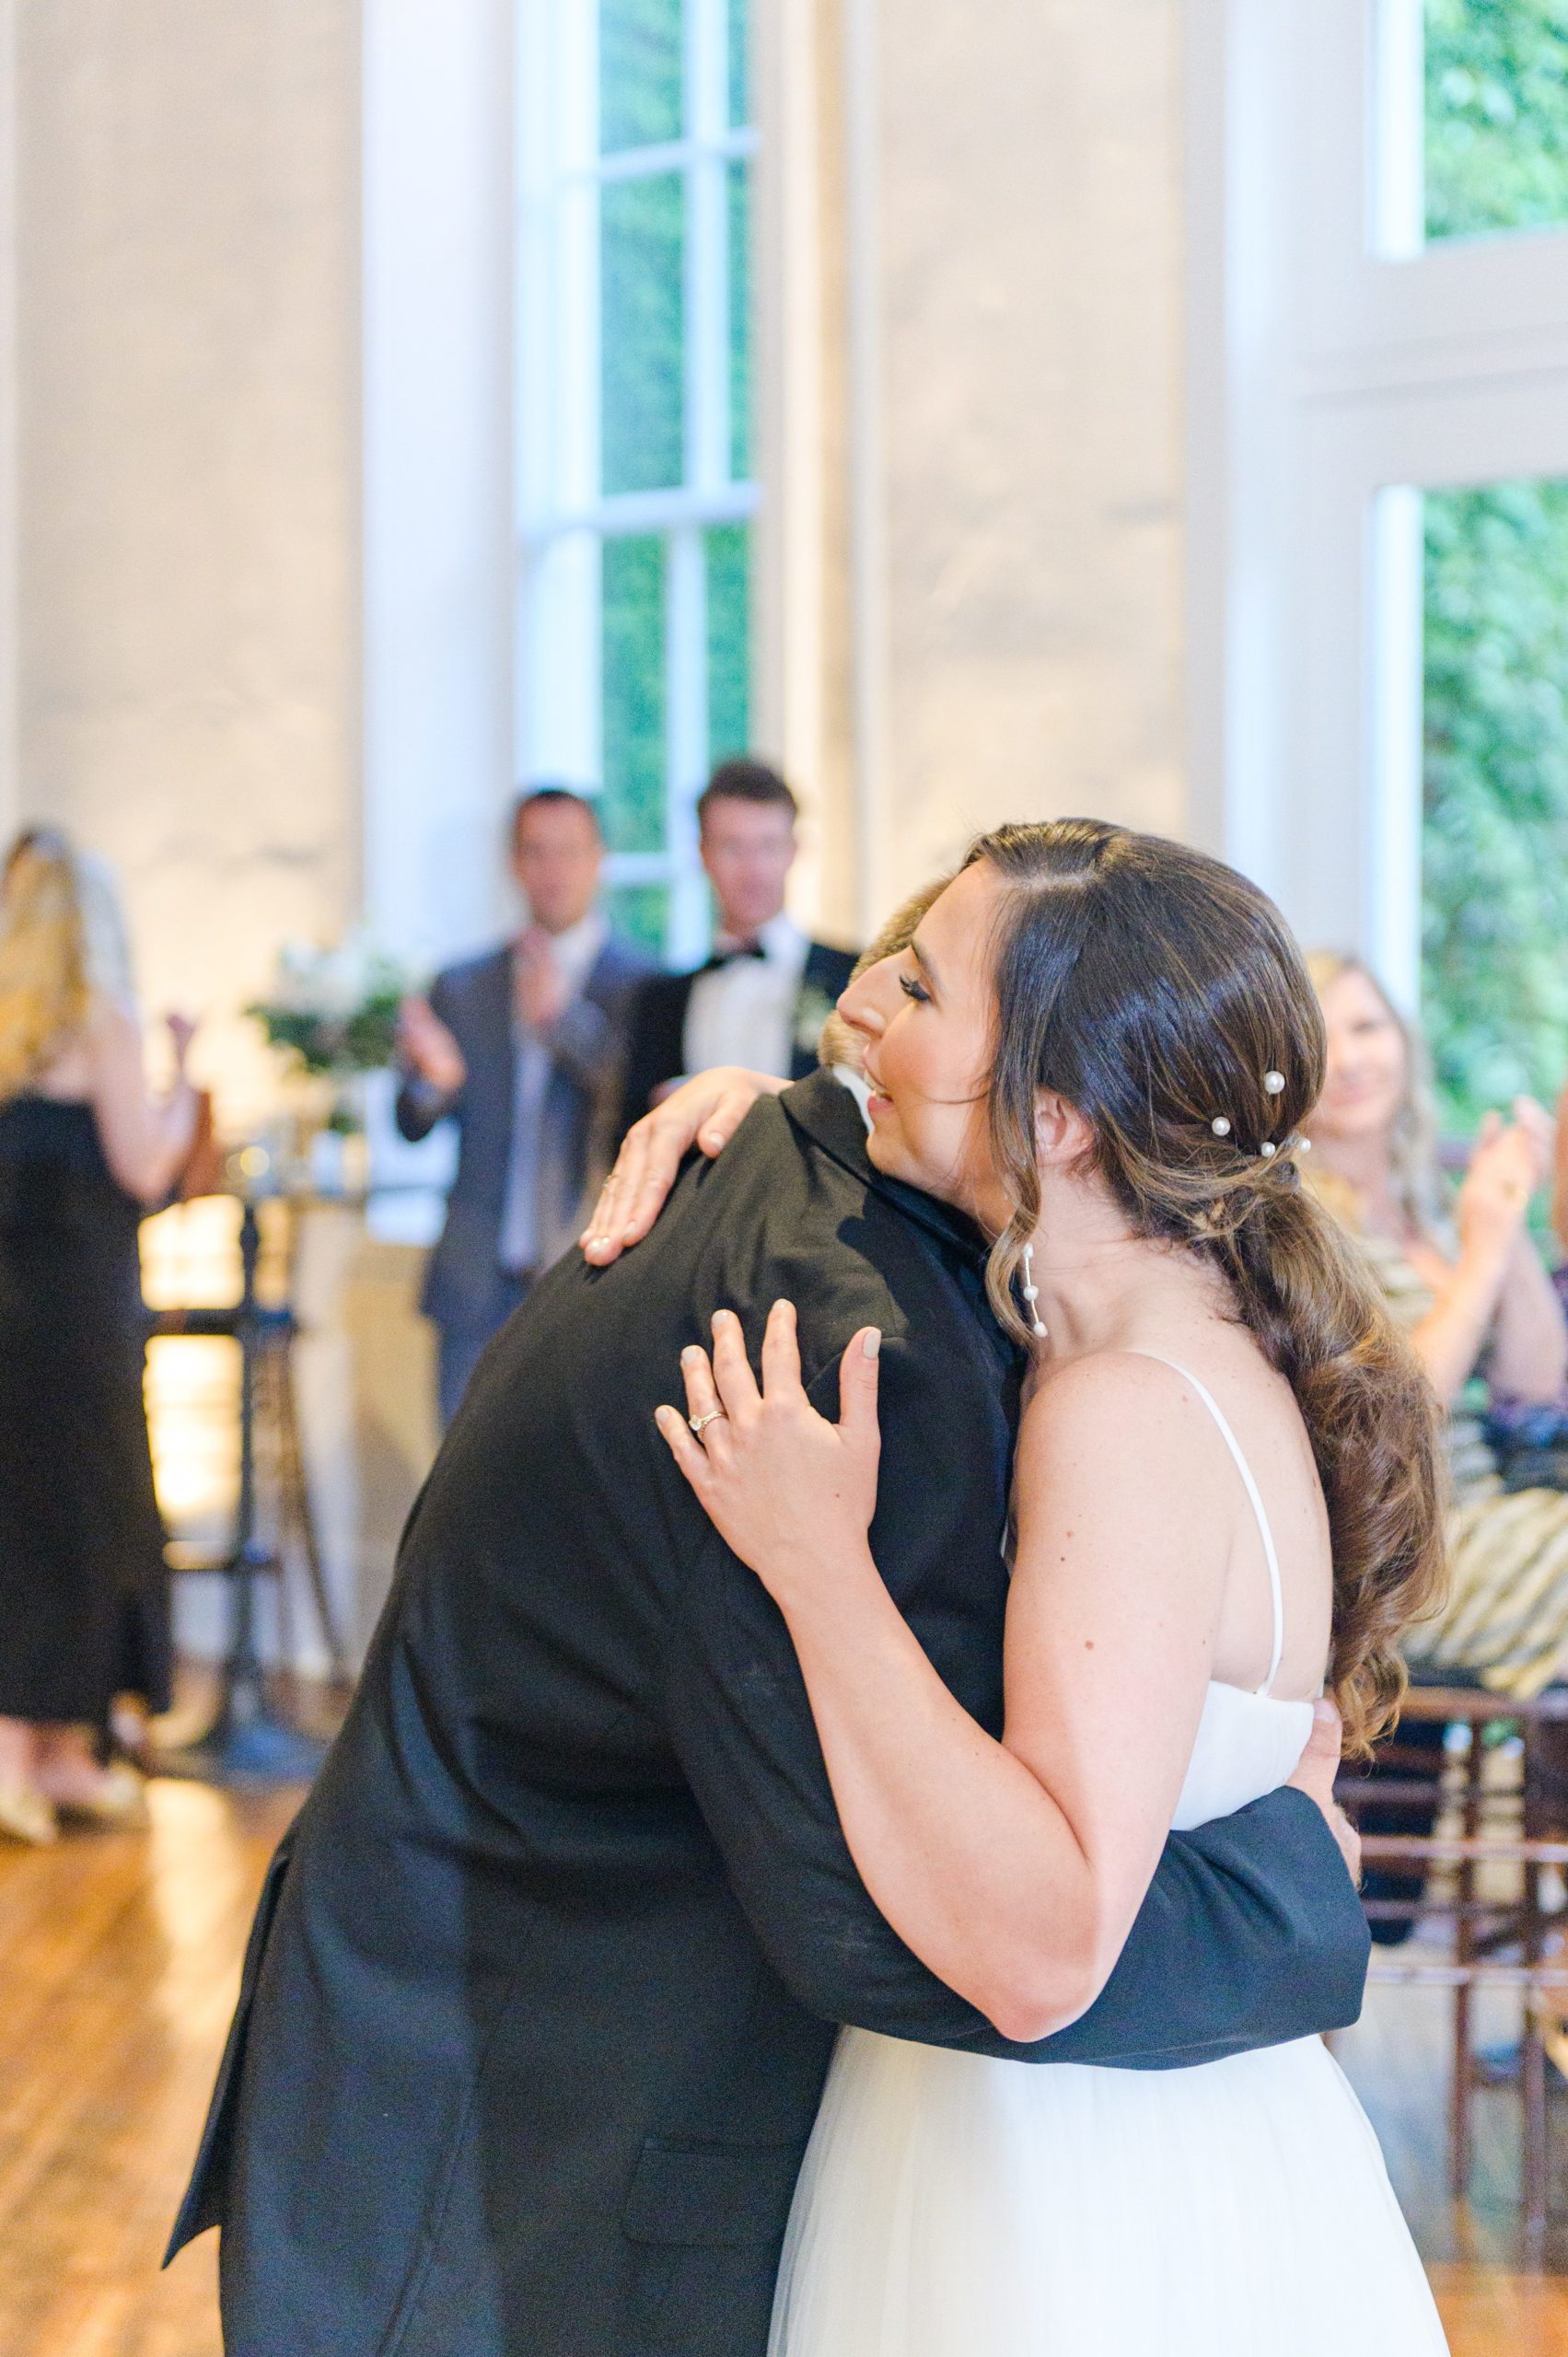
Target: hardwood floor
{"points": [[1397, 2059], [119, 1960]]}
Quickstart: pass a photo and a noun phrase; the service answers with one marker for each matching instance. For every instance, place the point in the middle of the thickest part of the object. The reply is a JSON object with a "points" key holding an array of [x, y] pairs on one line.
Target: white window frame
{"points": [[1337, 365], [564, 518]]}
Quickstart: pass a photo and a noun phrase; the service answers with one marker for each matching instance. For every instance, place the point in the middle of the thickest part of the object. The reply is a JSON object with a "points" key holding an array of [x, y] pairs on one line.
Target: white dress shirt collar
{"points": [[744, 1012], [781, 941], [859, 1088]]}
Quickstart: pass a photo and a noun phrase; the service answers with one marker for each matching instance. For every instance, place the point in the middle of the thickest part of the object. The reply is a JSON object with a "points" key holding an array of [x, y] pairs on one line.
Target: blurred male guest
{"points": [[766, 992], [524, 1046]]}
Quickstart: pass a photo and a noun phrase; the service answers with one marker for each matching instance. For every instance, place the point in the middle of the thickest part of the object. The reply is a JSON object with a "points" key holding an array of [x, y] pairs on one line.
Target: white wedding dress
{"points": [[951, 2205]]}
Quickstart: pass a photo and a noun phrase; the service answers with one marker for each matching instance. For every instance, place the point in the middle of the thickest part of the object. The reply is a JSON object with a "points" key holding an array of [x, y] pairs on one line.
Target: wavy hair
{"points": [[1154, 989], [62, 946], [839, 1044]]}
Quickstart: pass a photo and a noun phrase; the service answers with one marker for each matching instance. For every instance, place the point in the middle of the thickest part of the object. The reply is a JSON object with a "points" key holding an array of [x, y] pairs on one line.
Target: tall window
{"points": [[1495, 832], [1494, 835], [1389, 236], [1495, 92], [634, 370]]}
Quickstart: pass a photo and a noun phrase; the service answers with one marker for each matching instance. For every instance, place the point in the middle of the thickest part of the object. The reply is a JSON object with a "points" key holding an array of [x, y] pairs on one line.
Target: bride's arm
{"points": [[1014, 1869], [146, 1140], [704, 1112]]}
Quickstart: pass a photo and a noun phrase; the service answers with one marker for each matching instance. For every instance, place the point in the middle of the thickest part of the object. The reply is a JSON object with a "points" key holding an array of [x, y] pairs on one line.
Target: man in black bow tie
{"points": [[762, 997]]}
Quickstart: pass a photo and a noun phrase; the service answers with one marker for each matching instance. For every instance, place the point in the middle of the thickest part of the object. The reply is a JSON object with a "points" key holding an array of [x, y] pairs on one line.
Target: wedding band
{"points": [[700, 1423]]}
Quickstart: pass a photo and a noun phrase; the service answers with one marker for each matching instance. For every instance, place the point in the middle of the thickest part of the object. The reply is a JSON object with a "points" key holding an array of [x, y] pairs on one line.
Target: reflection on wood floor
{"points": [[119, 1959]]}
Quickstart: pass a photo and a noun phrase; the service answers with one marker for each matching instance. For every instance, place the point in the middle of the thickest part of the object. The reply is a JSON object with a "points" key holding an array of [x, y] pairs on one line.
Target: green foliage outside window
{"points": [[1496, 115], [727, 551], [1495, 837], [739, 62], [1495, 847], [640, 74], [633, 686], [639, 911], [643, 331]]}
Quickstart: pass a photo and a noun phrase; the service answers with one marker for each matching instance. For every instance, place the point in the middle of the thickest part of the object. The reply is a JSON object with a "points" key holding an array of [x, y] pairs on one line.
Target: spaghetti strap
{"points": [[1264, 1530]]}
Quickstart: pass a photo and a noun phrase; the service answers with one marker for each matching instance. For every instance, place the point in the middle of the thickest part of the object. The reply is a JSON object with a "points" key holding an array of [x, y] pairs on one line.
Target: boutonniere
{"points": [[812, 1009]]}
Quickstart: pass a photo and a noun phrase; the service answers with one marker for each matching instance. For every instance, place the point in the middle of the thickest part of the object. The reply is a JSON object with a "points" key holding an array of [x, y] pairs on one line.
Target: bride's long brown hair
{"points": [[1157, 991]]}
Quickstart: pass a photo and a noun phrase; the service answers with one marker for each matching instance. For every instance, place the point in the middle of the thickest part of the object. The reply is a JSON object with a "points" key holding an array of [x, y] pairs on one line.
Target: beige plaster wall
{"points": [[188, 668], [188, 221], [1028, 258]]}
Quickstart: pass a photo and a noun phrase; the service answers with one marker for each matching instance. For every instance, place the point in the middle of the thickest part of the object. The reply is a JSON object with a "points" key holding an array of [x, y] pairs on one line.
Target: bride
{"points": [[1101, 1046]]}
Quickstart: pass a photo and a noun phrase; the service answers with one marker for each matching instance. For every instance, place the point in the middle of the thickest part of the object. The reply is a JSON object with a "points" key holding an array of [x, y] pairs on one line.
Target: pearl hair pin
{"points": [[1032, 1291], [1274, 1086]]}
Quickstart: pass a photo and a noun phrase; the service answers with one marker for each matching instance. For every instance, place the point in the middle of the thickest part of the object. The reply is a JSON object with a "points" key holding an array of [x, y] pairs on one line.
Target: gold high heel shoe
{"points": [[117, 1805], [27, 1816]]}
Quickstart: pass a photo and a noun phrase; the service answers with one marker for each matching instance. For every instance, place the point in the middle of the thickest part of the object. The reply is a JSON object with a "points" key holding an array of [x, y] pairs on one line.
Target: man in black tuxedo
{"points": [[545, 1979], [762, 997]]}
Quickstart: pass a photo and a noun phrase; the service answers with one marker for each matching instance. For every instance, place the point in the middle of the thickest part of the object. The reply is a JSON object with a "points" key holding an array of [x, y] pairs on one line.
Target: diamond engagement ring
{"points": [[700, 1423]]}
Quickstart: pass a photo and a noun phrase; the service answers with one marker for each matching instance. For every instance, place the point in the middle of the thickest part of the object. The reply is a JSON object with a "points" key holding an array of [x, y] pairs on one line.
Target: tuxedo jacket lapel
{"points": [[826, 1111]]}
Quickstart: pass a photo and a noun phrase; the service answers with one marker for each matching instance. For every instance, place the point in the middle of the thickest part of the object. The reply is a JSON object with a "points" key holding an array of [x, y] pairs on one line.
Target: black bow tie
{"points": [[723, 957]]}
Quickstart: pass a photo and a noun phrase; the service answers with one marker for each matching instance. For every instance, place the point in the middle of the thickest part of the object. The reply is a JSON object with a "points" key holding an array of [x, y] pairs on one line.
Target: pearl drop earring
{"points": [[1032, 1291]]}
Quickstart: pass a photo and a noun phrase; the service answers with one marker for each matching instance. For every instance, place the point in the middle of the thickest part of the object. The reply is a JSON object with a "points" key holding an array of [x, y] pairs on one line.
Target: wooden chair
{"points": [[1496, 1942]]}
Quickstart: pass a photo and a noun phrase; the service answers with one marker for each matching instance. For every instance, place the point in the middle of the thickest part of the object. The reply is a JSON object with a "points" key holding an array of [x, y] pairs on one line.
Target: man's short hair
{"points": [[533, 797], [839, 1045], [743, 780]]}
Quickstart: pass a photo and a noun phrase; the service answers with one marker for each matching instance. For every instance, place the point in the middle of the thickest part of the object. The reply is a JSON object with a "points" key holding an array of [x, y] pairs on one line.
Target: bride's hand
{"points": [[790, 1493], [705, 1111], [1316, 1774]]}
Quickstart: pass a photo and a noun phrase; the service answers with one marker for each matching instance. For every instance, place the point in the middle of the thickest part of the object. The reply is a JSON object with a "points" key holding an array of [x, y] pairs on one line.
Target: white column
{"points": [[788, 563], [871, 690], [10, 784], [1240, 455], [1390, 914], [439, 199]]}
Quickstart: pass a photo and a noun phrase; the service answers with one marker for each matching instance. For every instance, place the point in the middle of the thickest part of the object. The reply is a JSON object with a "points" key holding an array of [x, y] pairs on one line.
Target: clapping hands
{"points": [[182, 1030], [1512, 1160], [543, 987], [428, 1049]]}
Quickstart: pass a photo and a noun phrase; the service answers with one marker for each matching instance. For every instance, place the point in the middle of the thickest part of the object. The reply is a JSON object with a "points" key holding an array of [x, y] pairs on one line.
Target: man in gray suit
{"points": [[523, 1048]]}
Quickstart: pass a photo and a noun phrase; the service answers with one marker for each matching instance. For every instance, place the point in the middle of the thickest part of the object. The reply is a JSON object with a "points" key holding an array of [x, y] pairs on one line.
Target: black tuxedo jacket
{"points": [[544, 1980], [655, 1047]]}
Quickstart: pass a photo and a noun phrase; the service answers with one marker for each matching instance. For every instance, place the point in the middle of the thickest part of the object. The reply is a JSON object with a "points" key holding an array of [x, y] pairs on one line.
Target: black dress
{"points": [[84, 1591]]}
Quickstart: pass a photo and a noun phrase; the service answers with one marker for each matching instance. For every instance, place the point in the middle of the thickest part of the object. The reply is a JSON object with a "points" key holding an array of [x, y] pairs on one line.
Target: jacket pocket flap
{"points": [[716, 2196]]}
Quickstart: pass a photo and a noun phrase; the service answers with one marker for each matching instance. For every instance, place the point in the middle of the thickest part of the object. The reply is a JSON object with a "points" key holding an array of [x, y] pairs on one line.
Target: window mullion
{"points": [[686, 655], [578, 473], [707, 423], [1396, 130], [670, 156]]}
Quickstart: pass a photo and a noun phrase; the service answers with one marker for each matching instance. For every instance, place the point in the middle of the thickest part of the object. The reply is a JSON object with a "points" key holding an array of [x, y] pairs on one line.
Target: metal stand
{"points": [[249, 1742]]}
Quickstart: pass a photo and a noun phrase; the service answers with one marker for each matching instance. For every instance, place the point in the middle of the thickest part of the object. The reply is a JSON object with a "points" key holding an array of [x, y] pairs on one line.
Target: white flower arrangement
{"points": [[334, 1009]]}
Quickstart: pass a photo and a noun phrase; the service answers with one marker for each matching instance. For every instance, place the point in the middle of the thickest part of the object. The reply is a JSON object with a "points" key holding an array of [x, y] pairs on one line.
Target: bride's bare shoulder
{"points": [[1104, 1406]]}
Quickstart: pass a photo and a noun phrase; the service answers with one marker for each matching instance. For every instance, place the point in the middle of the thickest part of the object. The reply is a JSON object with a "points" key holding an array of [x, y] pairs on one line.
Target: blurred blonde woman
{"points": [[84, 1151], [1472, 1292]]}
